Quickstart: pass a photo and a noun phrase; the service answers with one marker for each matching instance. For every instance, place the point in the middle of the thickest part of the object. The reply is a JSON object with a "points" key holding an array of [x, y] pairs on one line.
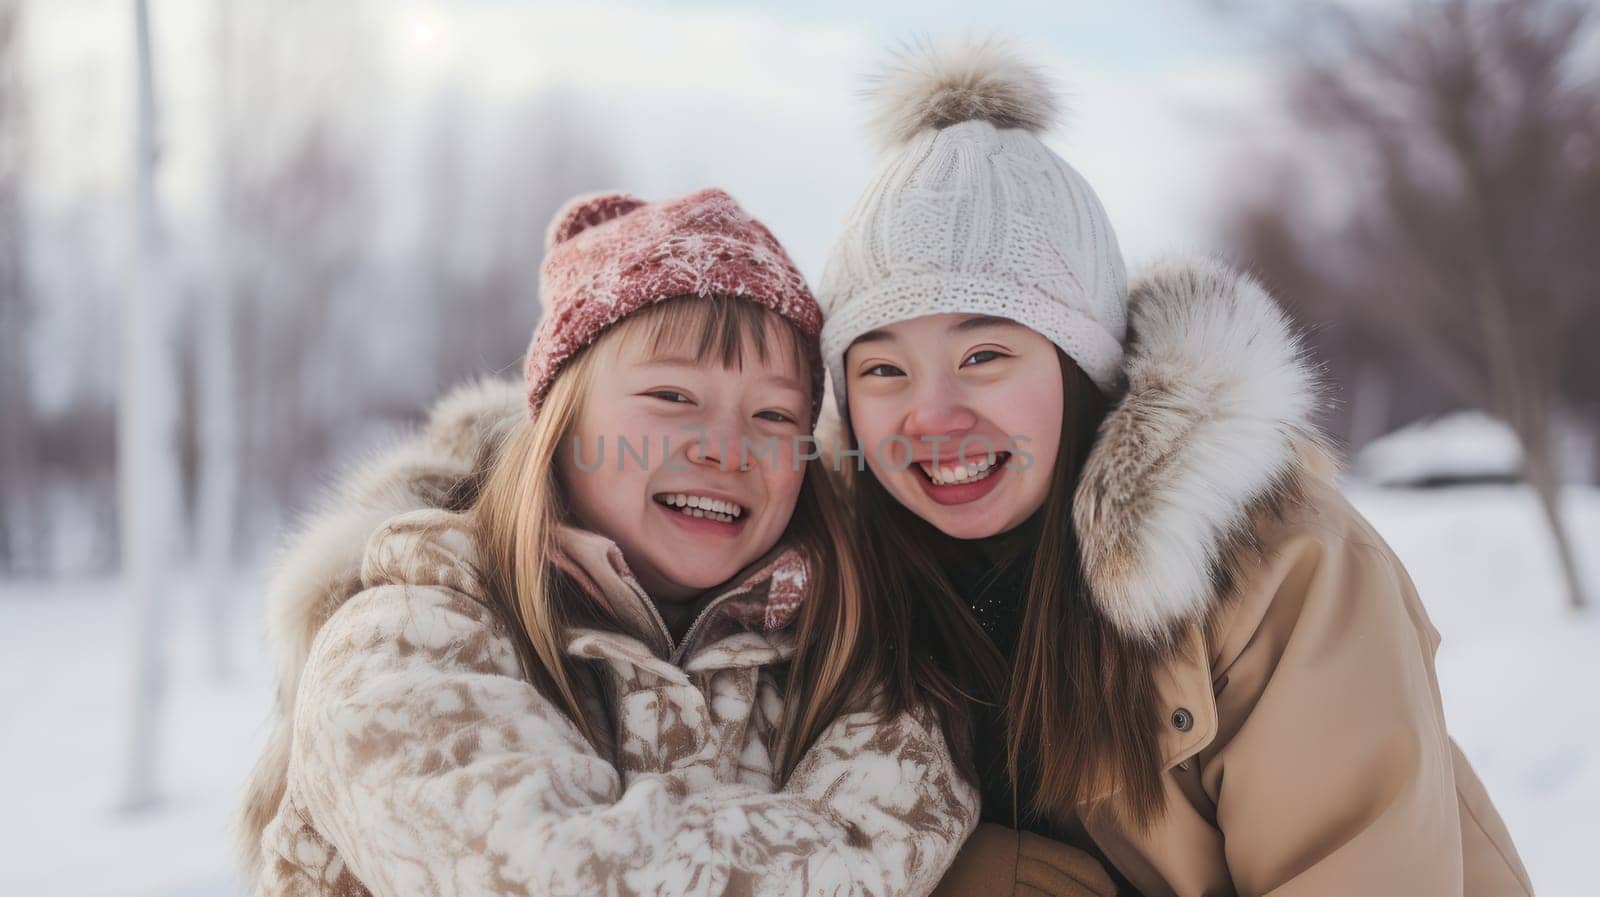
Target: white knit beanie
{"points": [[970, 212]]}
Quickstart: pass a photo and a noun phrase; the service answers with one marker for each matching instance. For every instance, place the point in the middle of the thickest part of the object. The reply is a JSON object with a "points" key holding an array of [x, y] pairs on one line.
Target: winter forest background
{"points": [[244, 242]]}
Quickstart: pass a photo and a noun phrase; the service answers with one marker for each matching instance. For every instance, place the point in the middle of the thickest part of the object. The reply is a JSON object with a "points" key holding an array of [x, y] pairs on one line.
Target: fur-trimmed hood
{"points": [[319, 568], [1215, 424]]}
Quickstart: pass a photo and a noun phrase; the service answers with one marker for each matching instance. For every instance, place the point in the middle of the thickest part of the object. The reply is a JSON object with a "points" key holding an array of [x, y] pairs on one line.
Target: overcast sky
{"points": [[760, 99]]}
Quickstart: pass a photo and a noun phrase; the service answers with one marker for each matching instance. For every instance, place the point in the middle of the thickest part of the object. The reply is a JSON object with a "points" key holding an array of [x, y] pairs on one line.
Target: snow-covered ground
{"points": [[1518, 670]]}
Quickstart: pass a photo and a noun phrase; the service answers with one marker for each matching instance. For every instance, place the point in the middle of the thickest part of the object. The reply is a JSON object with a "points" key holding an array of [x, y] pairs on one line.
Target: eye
{"points": [[669, 395], [883, 370], [982, 356], [775, 417]]}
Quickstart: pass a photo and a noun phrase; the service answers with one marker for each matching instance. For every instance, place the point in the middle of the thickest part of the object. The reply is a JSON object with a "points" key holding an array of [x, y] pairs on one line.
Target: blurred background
{"points": [[245, 242]]}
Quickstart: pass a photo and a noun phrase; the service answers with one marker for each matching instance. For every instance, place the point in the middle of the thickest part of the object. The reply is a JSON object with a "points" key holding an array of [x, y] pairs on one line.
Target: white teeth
{"points": [[702, 512], [969, 473], [699, 506]]}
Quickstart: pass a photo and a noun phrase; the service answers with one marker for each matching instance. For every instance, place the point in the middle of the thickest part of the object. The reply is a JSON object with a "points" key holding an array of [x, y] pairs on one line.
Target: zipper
{"points": [[677, 650], [682, 650]]}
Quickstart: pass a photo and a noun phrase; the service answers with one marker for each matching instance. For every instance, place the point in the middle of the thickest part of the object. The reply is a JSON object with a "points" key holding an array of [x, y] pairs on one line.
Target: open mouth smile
{"points": [[958, 484]]}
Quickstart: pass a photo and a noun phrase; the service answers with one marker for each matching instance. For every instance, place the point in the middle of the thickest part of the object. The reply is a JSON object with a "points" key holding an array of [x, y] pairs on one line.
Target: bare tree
{"points": [[147, 446], [302, 214], [217, 510], [21, 512], [486, 203], [1465, 132]]}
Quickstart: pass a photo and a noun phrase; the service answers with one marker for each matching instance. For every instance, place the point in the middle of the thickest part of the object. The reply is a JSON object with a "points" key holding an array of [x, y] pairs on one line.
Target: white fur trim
{"points": [[320, 566], [1220, 394]]}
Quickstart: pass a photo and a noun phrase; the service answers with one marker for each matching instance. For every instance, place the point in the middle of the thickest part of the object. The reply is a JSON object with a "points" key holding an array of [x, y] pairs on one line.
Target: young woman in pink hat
{"points": [[1106, 508], [602, 632]]}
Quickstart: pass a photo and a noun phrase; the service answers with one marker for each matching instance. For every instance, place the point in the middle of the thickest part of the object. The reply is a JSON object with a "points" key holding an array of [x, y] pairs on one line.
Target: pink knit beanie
{"points": [[608, 255]]}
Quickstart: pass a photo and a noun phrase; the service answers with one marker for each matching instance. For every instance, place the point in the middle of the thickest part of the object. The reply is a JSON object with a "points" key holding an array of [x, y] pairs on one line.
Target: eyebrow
{"points": [[976, 322], [979, 322], [679, 361]]}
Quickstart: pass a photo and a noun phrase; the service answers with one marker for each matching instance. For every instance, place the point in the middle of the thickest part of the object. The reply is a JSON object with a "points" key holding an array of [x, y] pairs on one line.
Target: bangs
{"points": [[720, 329]]}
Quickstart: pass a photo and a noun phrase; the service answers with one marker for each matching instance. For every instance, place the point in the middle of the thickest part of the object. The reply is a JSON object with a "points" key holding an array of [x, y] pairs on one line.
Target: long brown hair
{"points": [[517, 503], [1081, 709]]}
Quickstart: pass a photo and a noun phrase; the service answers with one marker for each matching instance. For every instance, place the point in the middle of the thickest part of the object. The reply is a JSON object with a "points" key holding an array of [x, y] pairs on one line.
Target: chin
{"points": [[690, 577], [958, 527], [704, 581], [968, 524]]}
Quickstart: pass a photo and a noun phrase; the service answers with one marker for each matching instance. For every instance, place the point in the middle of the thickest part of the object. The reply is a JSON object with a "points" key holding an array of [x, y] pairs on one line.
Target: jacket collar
{"points": [[762, 597]]}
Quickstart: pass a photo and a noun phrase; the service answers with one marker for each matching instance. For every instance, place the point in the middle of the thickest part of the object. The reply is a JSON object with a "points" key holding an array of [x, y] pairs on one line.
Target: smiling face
{"points": [[685, 442], [930, 385]]}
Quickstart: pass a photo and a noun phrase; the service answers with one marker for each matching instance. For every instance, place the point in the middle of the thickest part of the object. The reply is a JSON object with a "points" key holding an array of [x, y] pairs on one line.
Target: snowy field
{"points": [[1518, 670]]}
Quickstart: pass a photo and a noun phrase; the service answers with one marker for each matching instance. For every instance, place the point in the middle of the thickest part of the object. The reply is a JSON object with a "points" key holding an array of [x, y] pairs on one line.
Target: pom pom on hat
{"points": [[583, 212], [931, 86], [961, 126]]}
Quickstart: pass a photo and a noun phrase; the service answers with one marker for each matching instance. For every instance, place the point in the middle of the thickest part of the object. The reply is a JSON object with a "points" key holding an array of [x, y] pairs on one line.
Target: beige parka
{"points": [[1303, 742]]}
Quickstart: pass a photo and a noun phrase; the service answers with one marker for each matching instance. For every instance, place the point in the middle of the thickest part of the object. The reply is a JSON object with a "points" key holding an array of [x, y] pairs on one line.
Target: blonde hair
{"points": [[518, 502]]}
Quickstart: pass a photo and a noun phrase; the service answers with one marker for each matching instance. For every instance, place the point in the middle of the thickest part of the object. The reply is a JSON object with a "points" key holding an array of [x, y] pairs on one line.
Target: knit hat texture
{"points": [[970, 212], [608, 255]]}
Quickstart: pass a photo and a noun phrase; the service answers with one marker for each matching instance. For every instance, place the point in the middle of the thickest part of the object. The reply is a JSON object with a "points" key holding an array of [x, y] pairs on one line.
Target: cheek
{"points": [[601, 494], [783, 490], [1032, 409], [871, 420], [773, 455]]}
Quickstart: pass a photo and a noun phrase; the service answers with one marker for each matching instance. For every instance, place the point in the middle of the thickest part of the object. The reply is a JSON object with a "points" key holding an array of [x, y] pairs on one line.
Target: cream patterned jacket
{"points": [[420, 761]]}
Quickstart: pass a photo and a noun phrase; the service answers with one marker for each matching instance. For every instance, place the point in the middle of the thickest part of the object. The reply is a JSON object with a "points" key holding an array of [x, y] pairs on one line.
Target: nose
{"points": [[717, 445], [938, 409]]}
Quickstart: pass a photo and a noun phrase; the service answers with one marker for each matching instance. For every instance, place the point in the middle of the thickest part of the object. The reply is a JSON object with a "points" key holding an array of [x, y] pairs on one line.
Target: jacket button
{"points": [[1182, 720]]}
